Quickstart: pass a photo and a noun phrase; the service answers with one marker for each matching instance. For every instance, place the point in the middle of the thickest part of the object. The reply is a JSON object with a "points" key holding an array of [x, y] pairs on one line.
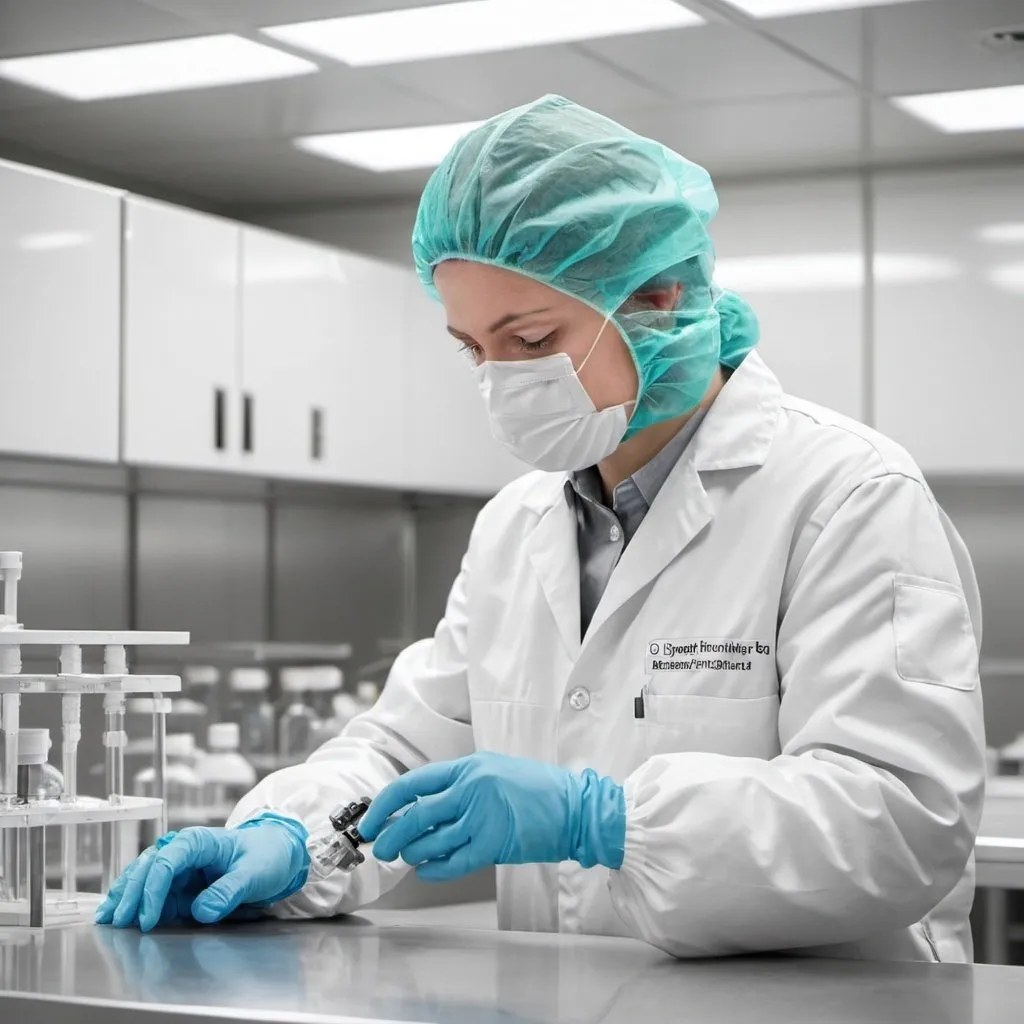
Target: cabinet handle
{"points": [[247, 425], [218, 418], [317, 438]]}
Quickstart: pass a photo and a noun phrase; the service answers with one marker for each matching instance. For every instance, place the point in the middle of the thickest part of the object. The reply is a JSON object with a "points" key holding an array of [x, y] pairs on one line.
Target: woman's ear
{"points": [[660, 298]]}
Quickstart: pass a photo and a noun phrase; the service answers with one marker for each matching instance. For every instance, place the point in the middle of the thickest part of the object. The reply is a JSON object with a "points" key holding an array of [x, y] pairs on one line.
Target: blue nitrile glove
{"points": [[494, 809], [205, 874]]}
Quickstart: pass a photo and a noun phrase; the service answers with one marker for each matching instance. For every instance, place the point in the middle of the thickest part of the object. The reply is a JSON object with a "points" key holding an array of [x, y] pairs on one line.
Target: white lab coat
{"points": [[822, 791]]}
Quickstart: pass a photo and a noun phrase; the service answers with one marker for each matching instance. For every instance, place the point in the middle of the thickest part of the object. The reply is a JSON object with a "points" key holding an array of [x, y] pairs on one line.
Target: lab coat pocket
{"points": [[684, 723], [932, 628]]}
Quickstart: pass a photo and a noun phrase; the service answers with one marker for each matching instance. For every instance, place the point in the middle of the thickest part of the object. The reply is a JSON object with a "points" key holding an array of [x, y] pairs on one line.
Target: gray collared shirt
{"points": [[602, 533]]}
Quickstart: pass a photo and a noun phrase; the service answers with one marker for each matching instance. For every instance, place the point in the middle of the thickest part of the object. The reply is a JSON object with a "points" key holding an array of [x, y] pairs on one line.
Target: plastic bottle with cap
{"points": [[182, 788], [37, 779], [253, 713], [367, 693], [226, 775], [296, 730], [201, 683]]}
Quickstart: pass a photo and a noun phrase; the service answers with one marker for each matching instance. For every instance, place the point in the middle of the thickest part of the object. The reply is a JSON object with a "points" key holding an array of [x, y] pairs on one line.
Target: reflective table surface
{"points": [[448, 966]]}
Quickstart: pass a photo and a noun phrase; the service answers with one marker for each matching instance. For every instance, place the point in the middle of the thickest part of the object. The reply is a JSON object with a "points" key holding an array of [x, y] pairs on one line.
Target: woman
{"points": [[709, 679]]}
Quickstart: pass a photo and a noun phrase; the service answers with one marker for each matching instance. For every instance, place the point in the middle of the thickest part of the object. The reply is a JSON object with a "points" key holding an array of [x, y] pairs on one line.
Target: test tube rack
{"points": [[24, 901]]}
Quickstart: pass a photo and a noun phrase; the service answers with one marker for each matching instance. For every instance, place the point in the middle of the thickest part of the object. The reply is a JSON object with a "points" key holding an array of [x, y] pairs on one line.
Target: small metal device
{"points": [[336, 845]]}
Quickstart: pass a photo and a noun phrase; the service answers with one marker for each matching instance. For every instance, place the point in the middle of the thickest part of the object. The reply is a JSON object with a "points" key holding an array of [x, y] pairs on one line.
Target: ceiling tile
{"points": [[487, 84], [336, 100], [714, 62], [246, 14], [920, 47], [269, 173], [897, 137], [745, 138], [48, 26]]}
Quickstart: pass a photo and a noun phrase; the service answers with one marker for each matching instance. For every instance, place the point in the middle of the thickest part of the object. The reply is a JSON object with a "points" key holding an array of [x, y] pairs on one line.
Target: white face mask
{"points": [[541, 412]]}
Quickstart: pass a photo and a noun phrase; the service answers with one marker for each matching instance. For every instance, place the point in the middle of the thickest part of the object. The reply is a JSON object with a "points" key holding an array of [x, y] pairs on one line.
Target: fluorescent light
{"points": [[477, 26], [389, 149], [827, 271], [1009, 277], [45, 241], [784, 8], [1009, 233], [973, 110], [153, 67]]}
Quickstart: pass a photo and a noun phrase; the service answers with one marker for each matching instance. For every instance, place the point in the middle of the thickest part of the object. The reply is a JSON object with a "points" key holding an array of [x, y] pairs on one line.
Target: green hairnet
{"points": [[571, 199]]}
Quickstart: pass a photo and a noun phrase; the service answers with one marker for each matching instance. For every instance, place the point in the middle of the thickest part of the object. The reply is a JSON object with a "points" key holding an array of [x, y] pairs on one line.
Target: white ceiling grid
{"points": [[742, 96]]}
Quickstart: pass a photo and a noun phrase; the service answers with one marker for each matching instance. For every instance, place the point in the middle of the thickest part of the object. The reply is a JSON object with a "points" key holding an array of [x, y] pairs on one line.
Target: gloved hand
{"points": [[494, 809], [205, 874]]}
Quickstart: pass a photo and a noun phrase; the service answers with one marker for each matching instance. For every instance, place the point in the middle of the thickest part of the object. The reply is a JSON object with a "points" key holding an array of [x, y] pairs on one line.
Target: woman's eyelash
{"points": [[533, 346]]}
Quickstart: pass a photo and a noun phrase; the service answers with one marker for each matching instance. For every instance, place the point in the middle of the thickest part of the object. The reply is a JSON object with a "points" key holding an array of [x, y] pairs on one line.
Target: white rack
{"points": [[24, 820]]}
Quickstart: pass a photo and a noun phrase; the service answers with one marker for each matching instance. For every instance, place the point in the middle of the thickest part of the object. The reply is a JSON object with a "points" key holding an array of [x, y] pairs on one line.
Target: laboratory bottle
{"points": [[37, 779], [324, 682], [1012, 756], [296, 729], [252, 711], [201, 683], [182, 788], [367, 693], [226, 776]]}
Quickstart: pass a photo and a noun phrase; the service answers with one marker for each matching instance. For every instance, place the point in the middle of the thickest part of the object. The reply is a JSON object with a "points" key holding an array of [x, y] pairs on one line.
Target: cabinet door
{"points": [[180, 338], [448, 441], [60, 281], [365, 415], [292, 323]]}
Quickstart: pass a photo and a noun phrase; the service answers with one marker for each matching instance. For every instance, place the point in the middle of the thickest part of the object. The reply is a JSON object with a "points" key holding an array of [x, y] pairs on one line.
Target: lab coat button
{"points": [[579, 699]]}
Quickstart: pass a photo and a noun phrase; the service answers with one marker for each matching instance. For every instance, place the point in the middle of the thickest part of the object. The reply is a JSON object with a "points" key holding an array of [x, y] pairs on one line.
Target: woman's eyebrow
{"points": [[509, 318]]}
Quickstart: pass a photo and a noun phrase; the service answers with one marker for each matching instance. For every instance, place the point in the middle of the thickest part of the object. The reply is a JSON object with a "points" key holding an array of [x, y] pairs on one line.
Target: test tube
{"points": [[114, 740], [71, 715], [9, 838], [161, 706]]}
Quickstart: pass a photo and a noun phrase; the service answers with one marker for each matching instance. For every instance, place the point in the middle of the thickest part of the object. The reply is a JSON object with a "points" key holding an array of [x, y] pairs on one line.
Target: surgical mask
{"points": [[540, 410]]}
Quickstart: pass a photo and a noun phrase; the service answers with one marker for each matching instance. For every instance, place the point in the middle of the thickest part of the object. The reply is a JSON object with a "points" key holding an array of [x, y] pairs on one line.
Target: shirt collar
{"points": [[648, 479], [736, 432]]}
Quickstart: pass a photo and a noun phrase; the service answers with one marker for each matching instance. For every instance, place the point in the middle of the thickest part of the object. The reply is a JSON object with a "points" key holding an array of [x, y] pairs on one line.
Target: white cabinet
{"points": [[293, 306], [60, 252], [181, 338], [448, 443], [365, 412], [949, 331]]}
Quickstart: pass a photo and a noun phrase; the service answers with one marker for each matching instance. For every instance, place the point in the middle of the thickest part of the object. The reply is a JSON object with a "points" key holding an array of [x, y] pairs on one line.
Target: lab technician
{"points": [[709, 678]]}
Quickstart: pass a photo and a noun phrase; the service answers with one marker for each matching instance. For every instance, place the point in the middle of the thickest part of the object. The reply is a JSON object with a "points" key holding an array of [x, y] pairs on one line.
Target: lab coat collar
{"points": [[740, 425], [737, 432]]}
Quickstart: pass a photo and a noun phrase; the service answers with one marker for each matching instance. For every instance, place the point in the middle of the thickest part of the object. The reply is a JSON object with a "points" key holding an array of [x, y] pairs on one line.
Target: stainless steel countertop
{"points": [[448, 965]]}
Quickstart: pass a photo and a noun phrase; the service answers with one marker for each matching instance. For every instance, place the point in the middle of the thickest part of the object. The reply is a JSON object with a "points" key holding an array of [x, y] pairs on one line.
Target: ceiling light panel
{"points": [[389, 149], [477, 26], [135, 70], [971, 110], [785, 8]]}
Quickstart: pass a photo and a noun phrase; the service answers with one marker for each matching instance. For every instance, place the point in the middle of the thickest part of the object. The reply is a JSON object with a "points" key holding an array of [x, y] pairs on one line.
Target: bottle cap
{"points": [[249, 680], [325, 678], [180, 744], [223, 736], [297, 680], [33, 746], [202, 675]]}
